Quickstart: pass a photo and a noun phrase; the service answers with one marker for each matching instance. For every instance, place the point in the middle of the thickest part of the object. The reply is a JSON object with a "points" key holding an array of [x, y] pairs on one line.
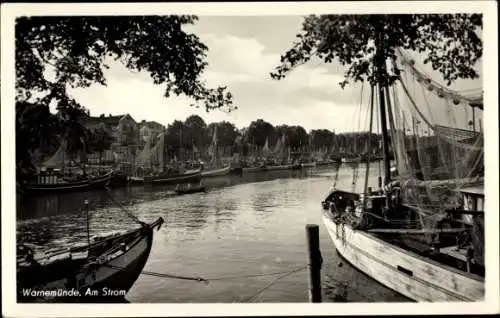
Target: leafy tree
{"points": [[75, 48], [227, 133], [321, 138], [258, 131], [36, 128], [362, 43], [54, 53], [195, 132], [174, 137], [297, 136], [99, 141]]}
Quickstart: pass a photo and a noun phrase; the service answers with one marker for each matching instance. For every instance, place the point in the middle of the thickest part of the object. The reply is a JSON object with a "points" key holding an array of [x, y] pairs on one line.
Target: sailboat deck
{"points": [[460, 254]]}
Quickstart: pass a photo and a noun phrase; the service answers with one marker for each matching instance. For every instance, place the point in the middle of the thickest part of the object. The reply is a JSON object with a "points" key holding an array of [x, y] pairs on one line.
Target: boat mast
{"points": [[164, 152], [368, 159], [381, 72], [86, 202]]}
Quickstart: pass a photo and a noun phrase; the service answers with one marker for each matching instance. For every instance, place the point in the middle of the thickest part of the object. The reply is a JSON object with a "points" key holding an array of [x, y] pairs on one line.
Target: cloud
{"points": [[241, 63], [242, 60]]}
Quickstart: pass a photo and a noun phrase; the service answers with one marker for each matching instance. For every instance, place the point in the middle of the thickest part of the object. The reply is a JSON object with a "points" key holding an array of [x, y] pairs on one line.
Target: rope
{"points": [[251, 276], [412, 103], [199, 279], [132, 216], [207, 280], [272, 283]]}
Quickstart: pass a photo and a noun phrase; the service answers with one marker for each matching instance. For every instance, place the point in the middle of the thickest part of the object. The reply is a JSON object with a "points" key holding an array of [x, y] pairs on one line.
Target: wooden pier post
{"points": [[314, 263]]}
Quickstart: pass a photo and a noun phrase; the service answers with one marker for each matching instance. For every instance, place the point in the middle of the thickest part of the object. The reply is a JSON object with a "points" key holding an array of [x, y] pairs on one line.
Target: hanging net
{"points": [[437, 140]]}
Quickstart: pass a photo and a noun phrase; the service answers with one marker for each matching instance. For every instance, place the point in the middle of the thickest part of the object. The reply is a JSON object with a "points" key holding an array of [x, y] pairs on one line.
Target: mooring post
{"points": [[314, 263]]}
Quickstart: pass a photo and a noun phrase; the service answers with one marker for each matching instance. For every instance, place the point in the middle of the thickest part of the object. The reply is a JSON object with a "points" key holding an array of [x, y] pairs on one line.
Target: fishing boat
{"points": [[351, 159], [62, 186], [304, 165], [279, 167], [253, 169], [159, 179], [190, 189], [325, 162], [421, 232], [103, 270], [216, 172]]}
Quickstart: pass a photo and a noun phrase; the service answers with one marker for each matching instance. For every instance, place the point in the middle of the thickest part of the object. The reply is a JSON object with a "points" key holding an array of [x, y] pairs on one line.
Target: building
{"points": [[123, 128], [149, 129]]}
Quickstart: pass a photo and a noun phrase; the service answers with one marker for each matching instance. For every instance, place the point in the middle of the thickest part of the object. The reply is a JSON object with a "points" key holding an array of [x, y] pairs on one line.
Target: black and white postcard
{"points": [[249, 158]]}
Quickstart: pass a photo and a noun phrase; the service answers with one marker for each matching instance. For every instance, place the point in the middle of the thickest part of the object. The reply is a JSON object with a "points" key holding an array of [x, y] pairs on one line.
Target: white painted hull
{"points": [[308, 165], [280, 167], [351, 160], [217, 172], [405, 272]]}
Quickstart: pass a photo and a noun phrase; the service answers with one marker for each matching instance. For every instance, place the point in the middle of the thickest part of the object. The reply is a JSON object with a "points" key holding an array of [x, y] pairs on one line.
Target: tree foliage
{"points": [[297, 136], [35, 125], [362, 43], [227, 133], [99, 140], [195, 132], [174, 138], [258, 131], [321, 138], [54, 53]]}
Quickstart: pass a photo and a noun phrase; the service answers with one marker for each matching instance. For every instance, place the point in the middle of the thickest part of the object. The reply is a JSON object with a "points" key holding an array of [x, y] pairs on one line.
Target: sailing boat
{"points": [[101, 270], [278, 151], [217, 172], [51, 181], [156, 156], [421, 234]]}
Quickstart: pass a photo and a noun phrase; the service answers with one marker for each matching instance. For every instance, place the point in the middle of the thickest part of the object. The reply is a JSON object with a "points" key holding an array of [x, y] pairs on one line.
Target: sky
{"points": [[243, 50]]}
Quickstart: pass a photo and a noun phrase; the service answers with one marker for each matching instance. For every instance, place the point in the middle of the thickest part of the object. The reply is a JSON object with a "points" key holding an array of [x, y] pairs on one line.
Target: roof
{"points": [[152, 125], [479, 190], [110, 121]]}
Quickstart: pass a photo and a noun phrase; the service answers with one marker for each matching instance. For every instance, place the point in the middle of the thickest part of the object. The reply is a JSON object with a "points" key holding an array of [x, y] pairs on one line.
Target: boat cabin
{"points": [[473, 198], [471, 204], [472, 214]]}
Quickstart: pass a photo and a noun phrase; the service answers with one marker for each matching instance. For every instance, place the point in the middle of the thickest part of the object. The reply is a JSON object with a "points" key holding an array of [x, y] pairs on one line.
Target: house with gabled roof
{"points": [[122, 127], [149, 129]]}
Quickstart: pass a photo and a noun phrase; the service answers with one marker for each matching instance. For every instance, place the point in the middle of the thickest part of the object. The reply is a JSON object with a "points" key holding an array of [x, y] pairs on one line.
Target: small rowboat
{"points": [[190, 190]]}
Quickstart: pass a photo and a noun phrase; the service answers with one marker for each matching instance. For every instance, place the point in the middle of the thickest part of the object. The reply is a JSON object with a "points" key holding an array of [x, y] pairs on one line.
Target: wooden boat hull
{"points": [[351, 160], [405, 272], [253, 169], [325, 162], [96, 183], [108, 281], [191, 177], [216, 172], [308, 165], [280, 167]]}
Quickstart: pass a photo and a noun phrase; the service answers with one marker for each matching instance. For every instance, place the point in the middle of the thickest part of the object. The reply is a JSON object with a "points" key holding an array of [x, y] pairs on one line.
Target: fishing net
{"points": [[437, 140]]}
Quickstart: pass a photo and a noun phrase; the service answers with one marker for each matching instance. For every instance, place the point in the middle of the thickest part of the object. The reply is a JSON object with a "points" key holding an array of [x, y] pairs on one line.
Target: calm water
{"points": [[242, 226]]}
